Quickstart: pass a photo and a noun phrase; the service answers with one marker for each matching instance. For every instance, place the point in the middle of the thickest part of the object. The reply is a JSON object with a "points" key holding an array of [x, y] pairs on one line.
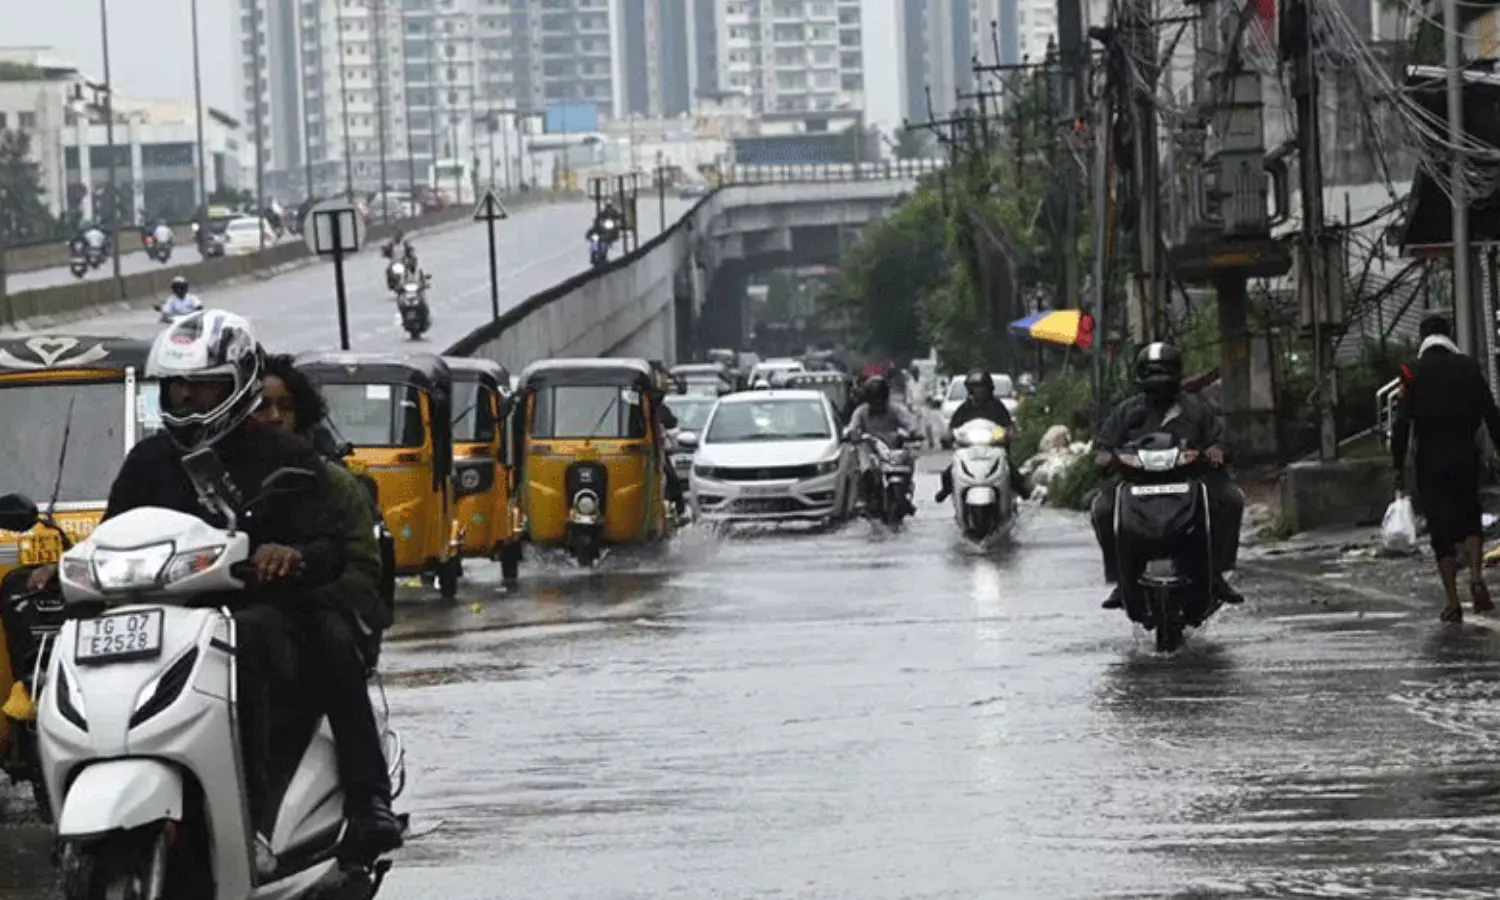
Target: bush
{"points": [[1065, 399], [1076, 486]]}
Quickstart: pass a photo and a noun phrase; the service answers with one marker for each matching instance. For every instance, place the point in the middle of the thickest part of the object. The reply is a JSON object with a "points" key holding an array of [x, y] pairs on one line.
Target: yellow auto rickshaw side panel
{"points": [[484, 516], [41, 545], [415, 514], [7, 680], [630, 488]]}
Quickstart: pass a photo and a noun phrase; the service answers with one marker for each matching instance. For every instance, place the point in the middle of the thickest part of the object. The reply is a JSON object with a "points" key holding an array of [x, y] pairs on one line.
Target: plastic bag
{"points": [[1398, 530]]}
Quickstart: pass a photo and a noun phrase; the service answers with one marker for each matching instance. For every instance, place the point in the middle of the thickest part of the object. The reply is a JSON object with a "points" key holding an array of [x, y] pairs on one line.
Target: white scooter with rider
{"points": [[180, 303], [884, 432], [411, 303]]}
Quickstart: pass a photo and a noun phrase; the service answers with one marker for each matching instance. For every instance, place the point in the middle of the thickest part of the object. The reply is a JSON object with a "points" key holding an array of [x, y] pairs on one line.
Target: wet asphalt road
{"points": [[297, 310], [867, 715]]}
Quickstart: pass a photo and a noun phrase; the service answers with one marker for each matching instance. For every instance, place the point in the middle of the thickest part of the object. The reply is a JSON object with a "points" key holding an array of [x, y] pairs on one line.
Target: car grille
{"points": [[767, 473]]}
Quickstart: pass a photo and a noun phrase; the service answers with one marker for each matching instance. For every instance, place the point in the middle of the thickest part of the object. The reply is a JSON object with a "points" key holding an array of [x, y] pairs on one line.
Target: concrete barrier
{"points": [[584, 316], [1340, 493], [68, 301]]}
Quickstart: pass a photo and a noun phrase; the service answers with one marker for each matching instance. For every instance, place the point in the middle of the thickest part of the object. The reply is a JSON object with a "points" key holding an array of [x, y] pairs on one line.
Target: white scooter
{"points": [[139, 724], [983, 503]]}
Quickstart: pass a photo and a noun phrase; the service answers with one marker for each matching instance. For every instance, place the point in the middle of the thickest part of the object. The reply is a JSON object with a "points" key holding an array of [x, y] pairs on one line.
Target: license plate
{"points": [[120, 637], [1154, 490], [764, 490], [40, 549]]}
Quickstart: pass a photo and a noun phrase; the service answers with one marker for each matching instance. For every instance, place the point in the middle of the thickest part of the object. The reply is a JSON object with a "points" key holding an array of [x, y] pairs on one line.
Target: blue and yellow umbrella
{"points": [[1069, 327]]}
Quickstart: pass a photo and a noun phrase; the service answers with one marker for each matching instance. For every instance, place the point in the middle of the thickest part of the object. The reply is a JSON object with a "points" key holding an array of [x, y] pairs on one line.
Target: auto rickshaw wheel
{"points": [[510, 562], [448, 574]]}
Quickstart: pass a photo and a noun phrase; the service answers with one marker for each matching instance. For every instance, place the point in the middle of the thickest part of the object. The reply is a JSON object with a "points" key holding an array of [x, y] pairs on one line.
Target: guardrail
{"points": [[729, 177], [1385, 409], [79, 296]]}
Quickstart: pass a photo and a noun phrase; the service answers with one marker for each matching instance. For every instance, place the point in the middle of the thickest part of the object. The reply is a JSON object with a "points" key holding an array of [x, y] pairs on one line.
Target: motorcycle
{"points": [[1163, 539], [983, 504], [158, 251], [598, 250], [895, 465], [210, 245], [78, 257], [139, 722], [416, 318]]}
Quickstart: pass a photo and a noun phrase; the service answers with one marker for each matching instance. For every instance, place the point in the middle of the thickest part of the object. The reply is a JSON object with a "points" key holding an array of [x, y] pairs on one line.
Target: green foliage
{"points": [[24, 216], [883, 276], [1075, 487], [1065, 400], [15, 71]]}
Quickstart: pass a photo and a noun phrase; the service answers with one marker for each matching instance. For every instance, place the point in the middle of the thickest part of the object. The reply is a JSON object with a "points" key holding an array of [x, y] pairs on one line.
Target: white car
{"points": [[957, 394], [241, 235], [767, 370], [773, 456]]}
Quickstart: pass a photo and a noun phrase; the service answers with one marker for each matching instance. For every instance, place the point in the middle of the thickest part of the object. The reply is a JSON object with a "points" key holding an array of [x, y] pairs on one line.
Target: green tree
{"points": [[882, 276], [24, 217]]}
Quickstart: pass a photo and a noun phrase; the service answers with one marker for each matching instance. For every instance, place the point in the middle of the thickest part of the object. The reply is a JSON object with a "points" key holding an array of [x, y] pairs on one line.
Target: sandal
{"points": [[1480, 594], [1453, 614]]}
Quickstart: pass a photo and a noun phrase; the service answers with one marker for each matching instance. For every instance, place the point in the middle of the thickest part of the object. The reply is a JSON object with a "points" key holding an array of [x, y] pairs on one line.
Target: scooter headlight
{"points": [[130, 570]]}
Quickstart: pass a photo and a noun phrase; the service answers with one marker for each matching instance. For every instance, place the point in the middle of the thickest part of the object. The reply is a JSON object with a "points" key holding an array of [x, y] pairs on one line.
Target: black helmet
{"points": [[180, 286], [979, 378], [877, 390], [1158, 369]]}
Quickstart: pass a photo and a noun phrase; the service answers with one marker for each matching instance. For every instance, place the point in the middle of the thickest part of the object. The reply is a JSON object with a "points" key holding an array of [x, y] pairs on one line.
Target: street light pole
{"points": [[380, 93], [338, 28], [307, 160], [109, 140], [202, 205], [260, 131], [432, 98]]}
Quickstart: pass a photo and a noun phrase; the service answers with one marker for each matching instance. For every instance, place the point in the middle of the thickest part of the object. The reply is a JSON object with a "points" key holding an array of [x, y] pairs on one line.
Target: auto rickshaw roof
{"points": [[31, 353], [468, 369], [708, 368], [814, 377], [623, 371], [422, 370]]}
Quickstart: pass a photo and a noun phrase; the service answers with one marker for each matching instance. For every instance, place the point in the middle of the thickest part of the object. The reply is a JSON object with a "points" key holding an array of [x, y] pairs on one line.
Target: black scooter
{"points": [[416, 317], [896, 464], [1163, 539]]}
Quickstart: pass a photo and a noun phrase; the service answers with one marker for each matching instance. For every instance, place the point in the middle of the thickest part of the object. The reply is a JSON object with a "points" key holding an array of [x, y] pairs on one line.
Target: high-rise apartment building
{"points": [[657, 61], [793, 55]]}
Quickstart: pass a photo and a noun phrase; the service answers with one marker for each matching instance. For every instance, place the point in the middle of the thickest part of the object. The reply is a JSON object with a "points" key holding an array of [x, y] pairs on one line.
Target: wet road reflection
{"points": [[856, 713]]}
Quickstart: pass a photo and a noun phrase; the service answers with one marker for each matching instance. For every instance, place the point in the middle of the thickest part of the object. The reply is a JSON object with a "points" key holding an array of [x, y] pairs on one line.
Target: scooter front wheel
{"points": [[123, 864]]}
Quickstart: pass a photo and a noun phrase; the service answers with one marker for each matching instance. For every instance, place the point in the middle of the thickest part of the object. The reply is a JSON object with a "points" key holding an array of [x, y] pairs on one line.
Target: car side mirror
{"points": [[687, 440], [18, 513]]}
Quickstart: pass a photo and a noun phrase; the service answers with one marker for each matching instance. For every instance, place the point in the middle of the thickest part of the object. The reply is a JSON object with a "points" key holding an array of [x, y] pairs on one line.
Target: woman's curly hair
{"points": [[307, 400]]}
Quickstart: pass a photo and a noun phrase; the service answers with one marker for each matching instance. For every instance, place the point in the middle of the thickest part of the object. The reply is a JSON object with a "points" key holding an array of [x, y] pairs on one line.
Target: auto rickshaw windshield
{"points": [[96, 438], [588, 411], [376, 415], [473, 420]]}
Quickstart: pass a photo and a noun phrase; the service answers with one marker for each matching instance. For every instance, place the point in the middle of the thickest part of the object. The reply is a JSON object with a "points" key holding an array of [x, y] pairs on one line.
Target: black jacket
{"points": [[969, 410], [1189, 418], [1444, 404], [152, 475]]}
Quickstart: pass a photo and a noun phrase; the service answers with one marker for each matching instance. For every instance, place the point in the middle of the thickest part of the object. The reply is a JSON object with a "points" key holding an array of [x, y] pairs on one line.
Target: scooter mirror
{"points": [[18, 513]]}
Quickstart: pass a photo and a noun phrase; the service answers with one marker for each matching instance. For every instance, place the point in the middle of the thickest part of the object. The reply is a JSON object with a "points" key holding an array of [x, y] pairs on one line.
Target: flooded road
{"points": [[867, 715]]}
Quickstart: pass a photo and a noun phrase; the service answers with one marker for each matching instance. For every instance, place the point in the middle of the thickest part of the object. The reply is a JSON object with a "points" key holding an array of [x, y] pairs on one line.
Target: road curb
{"points": [[1375, 594]]}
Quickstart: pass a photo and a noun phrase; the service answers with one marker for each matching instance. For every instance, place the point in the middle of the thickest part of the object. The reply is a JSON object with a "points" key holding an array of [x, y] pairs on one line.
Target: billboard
{"points": [[572, 118]]}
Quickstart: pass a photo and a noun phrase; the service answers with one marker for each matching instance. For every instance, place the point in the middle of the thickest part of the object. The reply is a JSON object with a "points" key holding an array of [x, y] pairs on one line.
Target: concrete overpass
{"points": [[690, 280]]}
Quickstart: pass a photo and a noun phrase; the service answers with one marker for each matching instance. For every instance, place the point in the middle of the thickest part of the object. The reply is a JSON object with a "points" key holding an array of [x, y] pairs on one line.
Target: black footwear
{"points": [[1227, 593], [373, 831], [1114, 600]]}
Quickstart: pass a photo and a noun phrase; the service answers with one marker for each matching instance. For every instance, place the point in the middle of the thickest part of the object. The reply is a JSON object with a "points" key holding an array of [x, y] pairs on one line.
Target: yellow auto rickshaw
{"points": [[396, 410], [591, 465], [481, 481], [76, 405]]}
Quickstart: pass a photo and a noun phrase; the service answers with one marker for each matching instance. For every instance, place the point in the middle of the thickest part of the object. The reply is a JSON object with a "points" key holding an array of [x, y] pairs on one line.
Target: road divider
{"points": [[43, 307]]}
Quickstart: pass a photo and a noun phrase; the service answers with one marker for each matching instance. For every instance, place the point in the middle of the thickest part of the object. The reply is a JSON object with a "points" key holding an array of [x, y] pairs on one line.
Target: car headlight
{"points": [[828, 467], [703, 471]]}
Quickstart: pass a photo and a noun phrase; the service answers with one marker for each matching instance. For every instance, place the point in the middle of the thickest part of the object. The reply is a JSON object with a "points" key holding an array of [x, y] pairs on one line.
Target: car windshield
{"points": [[769, 420], [956, 389], [690, 413], [472, 418], [96, 439], [1004, 387], [376, 415], [588, 411]]}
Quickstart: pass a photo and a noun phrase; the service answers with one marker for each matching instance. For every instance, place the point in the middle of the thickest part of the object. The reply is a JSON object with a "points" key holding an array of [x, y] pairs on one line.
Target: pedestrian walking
{"points": [[1443, 405]]}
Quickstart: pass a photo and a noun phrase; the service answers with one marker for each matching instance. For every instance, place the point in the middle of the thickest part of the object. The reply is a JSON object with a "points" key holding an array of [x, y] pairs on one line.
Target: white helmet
{"points": [[211, 345], [398, 270]]}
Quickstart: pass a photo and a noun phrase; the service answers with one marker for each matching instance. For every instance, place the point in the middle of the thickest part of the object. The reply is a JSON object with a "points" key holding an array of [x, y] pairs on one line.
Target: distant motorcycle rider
{"points": [[181, 302], [163, 233], [879, 417], [92, 236], [982, 404], [1162, 406], [398, 241]]}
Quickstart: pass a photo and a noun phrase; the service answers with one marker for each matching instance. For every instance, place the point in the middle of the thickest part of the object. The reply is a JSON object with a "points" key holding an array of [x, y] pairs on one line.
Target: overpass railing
{"points": [[790, 173]]}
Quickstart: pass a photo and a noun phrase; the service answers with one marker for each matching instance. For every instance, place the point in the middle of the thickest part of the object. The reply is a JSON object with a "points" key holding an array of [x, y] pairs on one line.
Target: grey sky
{"points": [[150, 43], [151, 53]]}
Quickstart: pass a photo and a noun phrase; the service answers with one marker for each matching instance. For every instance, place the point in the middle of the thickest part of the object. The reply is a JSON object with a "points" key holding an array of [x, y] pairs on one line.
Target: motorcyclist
{"points": [[878, 416], [293, 404], [610, 213], [982, 403], [666, 421], [181, 302], [399, 241], [92, 236], [1162, 405], [210, 367], [163, 233]]}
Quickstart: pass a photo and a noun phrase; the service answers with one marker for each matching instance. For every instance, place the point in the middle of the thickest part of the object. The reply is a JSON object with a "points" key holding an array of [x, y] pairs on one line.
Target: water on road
{"points": [[861, 713]]}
